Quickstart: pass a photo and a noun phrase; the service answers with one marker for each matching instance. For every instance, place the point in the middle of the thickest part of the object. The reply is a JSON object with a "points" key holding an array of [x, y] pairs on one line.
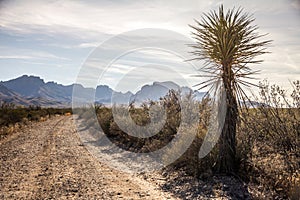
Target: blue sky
{"points": [[53, 39]]}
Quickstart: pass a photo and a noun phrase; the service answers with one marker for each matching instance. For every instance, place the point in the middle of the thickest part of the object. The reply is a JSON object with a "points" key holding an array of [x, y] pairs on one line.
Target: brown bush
{"points": [[12, 116], [269, 139]]}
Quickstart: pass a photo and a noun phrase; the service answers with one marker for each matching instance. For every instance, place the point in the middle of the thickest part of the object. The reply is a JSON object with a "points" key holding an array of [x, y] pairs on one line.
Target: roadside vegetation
{"points": [[259, 143], [13, 117], [267, 139]]}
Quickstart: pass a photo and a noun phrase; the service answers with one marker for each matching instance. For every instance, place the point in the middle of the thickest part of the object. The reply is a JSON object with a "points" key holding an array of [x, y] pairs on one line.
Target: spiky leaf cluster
{"points": [[227, 42]]}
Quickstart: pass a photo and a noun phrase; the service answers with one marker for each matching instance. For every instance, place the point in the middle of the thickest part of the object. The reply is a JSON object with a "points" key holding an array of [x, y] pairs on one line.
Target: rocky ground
{"points": [[47, 161]]}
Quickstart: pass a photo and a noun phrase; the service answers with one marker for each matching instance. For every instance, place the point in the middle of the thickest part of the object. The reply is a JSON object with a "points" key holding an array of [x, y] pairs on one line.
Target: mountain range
{"points": [[32, 90]]}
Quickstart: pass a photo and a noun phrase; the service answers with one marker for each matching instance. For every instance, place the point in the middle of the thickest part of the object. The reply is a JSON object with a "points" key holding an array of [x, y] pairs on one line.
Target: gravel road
{"points": [[46, 160]]}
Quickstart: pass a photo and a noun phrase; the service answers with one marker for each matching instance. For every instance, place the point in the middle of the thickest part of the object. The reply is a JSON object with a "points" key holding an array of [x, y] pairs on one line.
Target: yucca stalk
{"points": [[227, 42]]}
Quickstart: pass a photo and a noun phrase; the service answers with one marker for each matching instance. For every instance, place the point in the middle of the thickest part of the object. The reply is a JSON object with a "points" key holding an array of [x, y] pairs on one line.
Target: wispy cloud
{"points": [[29, 54], [63, 33], [16, 57], [92, 17], [88, 45]]}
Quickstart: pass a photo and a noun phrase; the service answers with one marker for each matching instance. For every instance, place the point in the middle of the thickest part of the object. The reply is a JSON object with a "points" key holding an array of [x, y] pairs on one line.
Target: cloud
{"points": [[16, 57], [65, 32], [92, 17], [88, 45], [27, 54]]}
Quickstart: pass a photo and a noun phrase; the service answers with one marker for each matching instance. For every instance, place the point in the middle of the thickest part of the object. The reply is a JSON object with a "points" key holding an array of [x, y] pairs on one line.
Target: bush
{"points": [[267, 137], [268, 140], [11, 115]]}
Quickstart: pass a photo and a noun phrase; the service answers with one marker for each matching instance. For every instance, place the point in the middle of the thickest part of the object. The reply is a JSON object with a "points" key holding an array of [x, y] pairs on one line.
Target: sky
{"points": [[69, 41]]}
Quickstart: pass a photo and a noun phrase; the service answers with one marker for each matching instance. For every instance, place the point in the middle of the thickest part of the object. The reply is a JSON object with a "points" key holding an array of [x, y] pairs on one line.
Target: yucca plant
{"points": [[227, 42]]}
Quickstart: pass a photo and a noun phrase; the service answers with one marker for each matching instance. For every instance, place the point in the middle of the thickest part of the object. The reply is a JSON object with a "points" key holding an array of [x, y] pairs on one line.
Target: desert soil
{"points": [[46, 160]]}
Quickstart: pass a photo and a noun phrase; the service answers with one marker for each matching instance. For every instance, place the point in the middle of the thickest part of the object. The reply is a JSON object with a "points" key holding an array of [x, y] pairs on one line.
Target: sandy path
{"points": [[47, 161]]}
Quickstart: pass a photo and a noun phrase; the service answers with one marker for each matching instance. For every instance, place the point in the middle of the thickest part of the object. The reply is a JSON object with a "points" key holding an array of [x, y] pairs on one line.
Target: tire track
{"points": [[46, 174], [23, 161]]}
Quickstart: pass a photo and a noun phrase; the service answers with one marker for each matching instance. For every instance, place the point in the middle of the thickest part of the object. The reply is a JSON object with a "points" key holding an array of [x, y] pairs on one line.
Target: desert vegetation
{"points": [[13, 117], [228, 42], [267, 139]]}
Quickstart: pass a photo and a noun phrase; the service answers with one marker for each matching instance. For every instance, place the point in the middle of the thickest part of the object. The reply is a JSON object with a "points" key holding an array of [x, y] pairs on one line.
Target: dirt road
{"points": [[47, 161]]}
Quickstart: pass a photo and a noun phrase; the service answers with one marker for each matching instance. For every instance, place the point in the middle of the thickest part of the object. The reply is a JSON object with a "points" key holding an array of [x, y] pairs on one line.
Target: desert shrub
{"points": [[140, 116], [105, 118], [12, 116], [190, 161], [268, 140], [56, 111]]}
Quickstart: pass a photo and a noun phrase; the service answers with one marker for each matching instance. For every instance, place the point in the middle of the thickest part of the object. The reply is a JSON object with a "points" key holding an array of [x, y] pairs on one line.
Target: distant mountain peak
{"points": [[25, 85], [34, 88], [167, 84], [30, 77]]}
